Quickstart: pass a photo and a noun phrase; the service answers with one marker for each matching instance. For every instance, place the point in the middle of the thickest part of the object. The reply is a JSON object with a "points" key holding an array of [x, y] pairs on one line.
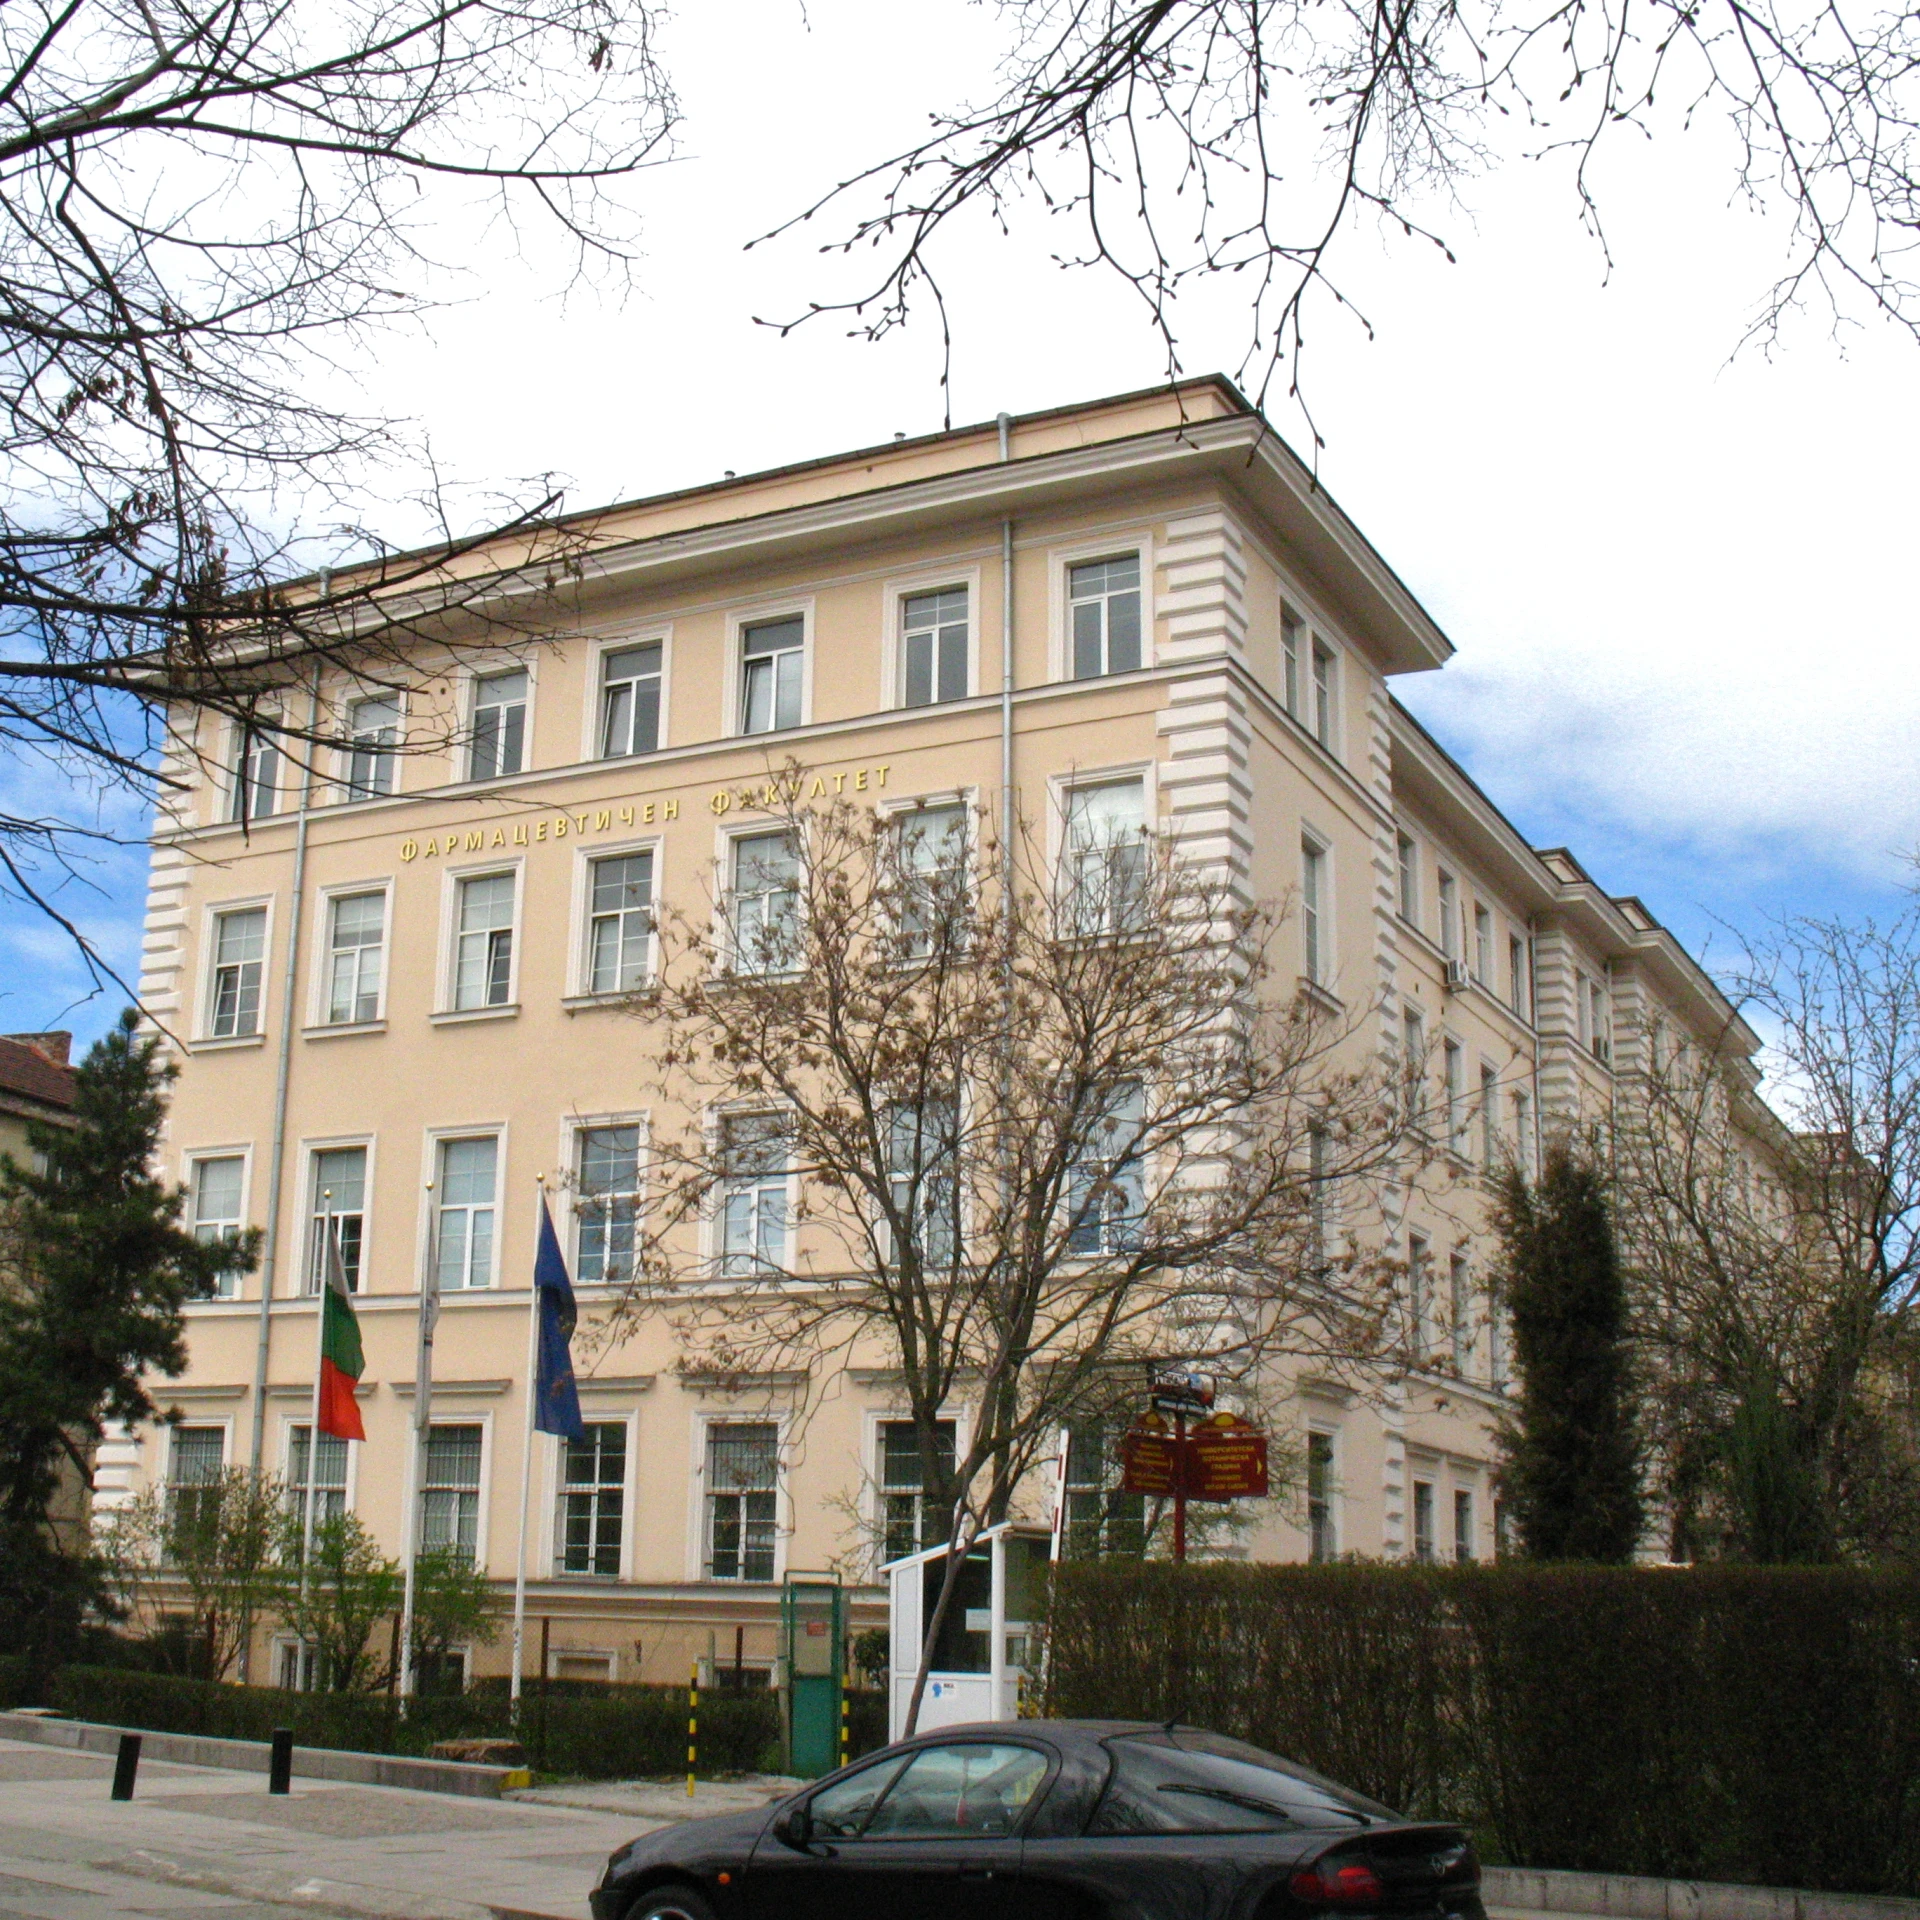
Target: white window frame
{"points": [[451, 877], [228, 1285], [739, 619], [1489, 1115], [1061, 788], [1465, 1490], [1318, 964], [1483, 944], [873, 1418], [320, 967], [304, 1418], [1319, 1430], [897, 812], [727, 839], [1406, 876], [627, 1419], [446, 1414], [1446, 898], [1425, 1476], [1460, 1292], [344, 750], [714, 1222], [427, 1249], [898, 590], [781, 1420], [1061, 561], [211, 916], [483, 669], [581, 918], [238, 734], [1453, 1072], [224, 1421], [1296, 640], [571, 1128], [1419, 1293], [597, 651], [307, 1201]]}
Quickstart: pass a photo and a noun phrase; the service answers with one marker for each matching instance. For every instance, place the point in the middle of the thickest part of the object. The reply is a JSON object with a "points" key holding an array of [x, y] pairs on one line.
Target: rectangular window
{"points": [[753, 1193], [772, 658], [1322, 1542], [1423, 1542], [1496, 1347], [908, 1519], [356, 955], [1419, 1295], [609, 1202], [255, 792], [1463, 1526], [1409, 880], [743, 1465], [933, 647], [1523, 1130], [923, 1169], [216, 1188], [483, 947], [1104, 605], [329, 1478], [766, 903], [1106, 857], [1456, 1097], [1517, 974], [1320, 1198], [1323, 682], [1106, 1187], [373, 734], [620, 923], [931, 849], [1489, 1118], [630, 701], [1460, 1302], [1413, 1044], [499, 743], [1102, 1521], [463, 1213], [339, 1187], [1313, 882], [1582, 1009], [450, 1490], [195, 1462], [239, 960], [593, 1495], [1292, 640], [1482, 945], [1449, 916], [1599, 1020]]}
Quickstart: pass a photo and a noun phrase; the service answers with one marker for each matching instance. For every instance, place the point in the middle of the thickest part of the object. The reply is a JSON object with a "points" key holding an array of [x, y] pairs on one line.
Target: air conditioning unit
{"points": [[1457, 976]]}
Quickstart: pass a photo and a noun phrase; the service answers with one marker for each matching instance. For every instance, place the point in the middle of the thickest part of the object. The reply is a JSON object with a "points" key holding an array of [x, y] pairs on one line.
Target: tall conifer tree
{"points": [[97, 1269], [1571, 1477]]}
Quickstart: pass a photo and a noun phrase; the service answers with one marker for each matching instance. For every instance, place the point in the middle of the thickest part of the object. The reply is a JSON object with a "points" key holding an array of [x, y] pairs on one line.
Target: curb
{"points": [[1629, 1897], [252, 1756], [345, 1898]]}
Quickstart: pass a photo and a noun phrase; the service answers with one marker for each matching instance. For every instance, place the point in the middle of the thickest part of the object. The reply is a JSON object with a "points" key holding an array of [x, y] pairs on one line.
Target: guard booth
{"points": [[980, 1661], [813, 1638]]}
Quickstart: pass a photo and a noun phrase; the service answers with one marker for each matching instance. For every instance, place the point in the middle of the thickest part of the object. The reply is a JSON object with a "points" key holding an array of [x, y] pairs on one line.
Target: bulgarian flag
{"points": [[341, 1360]]}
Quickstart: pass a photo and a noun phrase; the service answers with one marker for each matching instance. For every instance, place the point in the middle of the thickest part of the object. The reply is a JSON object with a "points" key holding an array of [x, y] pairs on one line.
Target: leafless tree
{"points": [[1048, 1117], [203, 204], [1777, 1263], [1179, 141]]}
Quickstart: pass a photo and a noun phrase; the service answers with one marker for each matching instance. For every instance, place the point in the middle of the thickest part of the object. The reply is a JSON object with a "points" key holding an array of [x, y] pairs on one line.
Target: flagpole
{"points": [[526, 1480], [313, 1424], [422, 1422]]}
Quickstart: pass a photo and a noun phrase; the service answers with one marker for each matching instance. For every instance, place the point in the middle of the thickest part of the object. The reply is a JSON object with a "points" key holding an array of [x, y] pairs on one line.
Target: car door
{"points": [[939, 1841]]}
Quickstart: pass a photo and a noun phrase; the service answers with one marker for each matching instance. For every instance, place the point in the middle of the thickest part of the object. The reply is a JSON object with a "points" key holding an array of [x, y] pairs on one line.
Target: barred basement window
{"points": [[593, 1482], [195, 1463], [907, 1521], [1423, 1542], [1102, 1522], [450, 1490], [329, 1478], [743, 1464], [1322, 1542]]}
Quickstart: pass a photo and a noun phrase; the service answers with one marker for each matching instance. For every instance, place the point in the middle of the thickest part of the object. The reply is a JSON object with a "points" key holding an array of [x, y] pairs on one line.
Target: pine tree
{"points": [[1571, 1475], [98, 1267]]}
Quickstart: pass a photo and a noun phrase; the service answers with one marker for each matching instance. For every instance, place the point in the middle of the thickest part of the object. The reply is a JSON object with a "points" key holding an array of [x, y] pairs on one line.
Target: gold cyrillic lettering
{"points": [[817, 789], [476, 839], [519, 833], [626, 816], [601, 821], [839, 783], [560, 827], [409, 849], [539, 830], [431, 848], [499, 839], [882, 772], [722, 802], [860, 781], [646, 815], [671, 811]]}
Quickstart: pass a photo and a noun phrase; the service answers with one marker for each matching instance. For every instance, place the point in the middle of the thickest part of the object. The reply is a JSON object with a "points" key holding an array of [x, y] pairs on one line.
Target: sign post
{"points": [[1222, 1458]]}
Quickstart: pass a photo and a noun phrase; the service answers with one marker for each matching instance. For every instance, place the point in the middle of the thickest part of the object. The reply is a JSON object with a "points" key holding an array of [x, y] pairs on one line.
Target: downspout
{"points": [[1005, 424], [277, 1159]]}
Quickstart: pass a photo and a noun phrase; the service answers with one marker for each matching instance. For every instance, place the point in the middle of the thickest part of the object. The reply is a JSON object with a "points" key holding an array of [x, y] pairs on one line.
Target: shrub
{"points": [[1721, 1723]]}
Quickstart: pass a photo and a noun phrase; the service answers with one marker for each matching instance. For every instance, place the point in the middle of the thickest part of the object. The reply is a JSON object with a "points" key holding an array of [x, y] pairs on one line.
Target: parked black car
{"points": [[1053, 1820]]}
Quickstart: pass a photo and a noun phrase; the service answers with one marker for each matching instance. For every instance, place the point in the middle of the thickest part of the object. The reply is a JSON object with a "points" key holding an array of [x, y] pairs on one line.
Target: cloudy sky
{"points": [[1680, 579]]}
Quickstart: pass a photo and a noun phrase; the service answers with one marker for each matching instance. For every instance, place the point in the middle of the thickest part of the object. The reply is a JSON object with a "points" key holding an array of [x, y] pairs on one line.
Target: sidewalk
{"points": [[199, 1843]]}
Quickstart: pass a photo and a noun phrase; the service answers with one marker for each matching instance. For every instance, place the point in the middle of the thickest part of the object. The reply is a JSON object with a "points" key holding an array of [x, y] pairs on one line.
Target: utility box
{"points": [[813, 1639], [980, 1660]]}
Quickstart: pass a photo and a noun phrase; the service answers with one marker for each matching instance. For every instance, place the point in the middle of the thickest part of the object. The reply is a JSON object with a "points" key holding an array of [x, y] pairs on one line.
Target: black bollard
{"points": [[280, 1767], [126, 1766]]}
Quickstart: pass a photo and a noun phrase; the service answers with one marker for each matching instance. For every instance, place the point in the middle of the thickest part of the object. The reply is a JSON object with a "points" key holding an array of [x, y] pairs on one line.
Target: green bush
{"points": [[1723, 1723], [19, 1685]]}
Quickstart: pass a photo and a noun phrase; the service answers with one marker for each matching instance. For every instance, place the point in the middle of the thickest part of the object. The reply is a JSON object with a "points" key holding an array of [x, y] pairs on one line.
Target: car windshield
{"points": [[1181, 1782]]}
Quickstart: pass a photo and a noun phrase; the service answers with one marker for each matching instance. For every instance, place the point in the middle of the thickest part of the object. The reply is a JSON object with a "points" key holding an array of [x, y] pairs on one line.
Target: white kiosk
{"points": [[980, 1659]]}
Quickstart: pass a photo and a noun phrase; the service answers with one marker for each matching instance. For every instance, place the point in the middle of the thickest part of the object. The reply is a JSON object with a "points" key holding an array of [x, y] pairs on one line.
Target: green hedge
{"points": [[598, 1733], [1722, 1723]]}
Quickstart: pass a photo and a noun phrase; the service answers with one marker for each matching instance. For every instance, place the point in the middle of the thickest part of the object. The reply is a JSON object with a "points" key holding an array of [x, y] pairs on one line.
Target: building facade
{"points": [[395, 981]]}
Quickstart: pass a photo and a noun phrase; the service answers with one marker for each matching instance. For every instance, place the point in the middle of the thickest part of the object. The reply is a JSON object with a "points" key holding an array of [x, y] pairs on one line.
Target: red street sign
{"points": [[1226, 1460], [1221, 1459]]}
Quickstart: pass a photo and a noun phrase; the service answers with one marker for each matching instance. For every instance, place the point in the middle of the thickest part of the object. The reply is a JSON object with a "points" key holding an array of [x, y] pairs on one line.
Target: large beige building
{"points": [[401, 983]]}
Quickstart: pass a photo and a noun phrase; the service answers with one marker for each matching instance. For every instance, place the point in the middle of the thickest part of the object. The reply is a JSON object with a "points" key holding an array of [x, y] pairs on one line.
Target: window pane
{"points": [[975, 1789], [467, 1170], [343, 1171], [773, 636], [242, 936], [216, 1197]]}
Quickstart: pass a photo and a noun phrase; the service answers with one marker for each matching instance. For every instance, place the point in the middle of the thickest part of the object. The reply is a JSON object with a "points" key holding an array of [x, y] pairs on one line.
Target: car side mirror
{"points": [[794, 1828]]}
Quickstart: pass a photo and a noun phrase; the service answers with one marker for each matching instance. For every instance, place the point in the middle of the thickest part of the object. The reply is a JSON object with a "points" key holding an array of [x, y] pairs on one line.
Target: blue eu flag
{"points": [[556, 1400]]}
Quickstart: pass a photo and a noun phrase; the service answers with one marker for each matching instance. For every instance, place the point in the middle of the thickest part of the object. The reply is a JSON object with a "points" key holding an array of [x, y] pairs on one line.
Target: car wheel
{"points": [[670, 1903]]}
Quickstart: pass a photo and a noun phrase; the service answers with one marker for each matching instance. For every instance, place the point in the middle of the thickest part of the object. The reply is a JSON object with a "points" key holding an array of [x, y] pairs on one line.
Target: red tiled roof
{"points": [[28, 1074]]}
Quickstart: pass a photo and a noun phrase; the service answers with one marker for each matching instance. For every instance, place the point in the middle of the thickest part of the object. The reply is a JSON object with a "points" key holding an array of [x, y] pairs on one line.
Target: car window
{"points": [[839, 1811], [974, 1788], [1201, 1783]]}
